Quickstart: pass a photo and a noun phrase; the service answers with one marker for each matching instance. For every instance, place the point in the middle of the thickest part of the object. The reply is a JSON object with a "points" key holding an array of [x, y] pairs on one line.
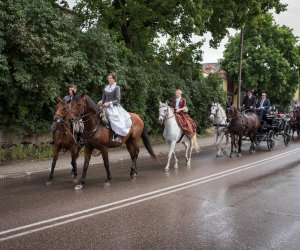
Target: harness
{"points": [[218, 125], [165, 117]]}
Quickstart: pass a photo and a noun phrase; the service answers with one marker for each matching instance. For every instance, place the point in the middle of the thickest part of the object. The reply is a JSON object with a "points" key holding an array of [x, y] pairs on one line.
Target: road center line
{"points": [[135, 199]]}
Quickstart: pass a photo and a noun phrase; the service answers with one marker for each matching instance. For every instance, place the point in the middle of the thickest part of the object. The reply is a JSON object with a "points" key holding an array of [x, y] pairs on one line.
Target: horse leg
{"points": [[74, 155], [232, 144], [171, 150], [219, 145], [176, 160], [133, 154], [189, 152], [106, 165], [240, 146], [87, 158], [56, 151], [226, 143]]}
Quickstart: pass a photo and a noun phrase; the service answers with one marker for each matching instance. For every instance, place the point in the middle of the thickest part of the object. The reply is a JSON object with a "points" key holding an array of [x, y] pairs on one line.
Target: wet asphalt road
{"points": [[252, 202]]}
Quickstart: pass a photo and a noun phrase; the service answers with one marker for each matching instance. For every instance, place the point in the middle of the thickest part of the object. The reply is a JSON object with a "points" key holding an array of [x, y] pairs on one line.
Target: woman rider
{"points": [[119, 118], [186, 123]]}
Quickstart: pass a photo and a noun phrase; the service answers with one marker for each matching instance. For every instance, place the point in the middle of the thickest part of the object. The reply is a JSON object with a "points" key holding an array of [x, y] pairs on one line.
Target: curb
{"points": [[23, 174]]}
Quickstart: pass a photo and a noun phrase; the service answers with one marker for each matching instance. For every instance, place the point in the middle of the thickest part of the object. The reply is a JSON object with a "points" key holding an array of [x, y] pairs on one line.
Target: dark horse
{"points": [[243, 124], [64, 138], [96, 135], [295, 122]]}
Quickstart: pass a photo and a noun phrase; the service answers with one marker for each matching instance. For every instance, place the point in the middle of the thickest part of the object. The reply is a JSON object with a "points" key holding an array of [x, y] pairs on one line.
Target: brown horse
{"points": [[96, 135], [64, 138], [295, 122], [243, 124]]}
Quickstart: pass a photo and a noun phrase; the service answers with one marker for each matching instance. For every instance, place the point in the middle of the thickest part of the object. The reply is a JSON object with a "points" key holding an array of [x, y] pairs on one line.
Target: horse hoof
{"points": [[106, 184], [74, 180], [78, 187], [166, 169], [218, 155], [48, 183], [252, 152], [176, 165], [239, 155], [133, 176], [188, 163]]}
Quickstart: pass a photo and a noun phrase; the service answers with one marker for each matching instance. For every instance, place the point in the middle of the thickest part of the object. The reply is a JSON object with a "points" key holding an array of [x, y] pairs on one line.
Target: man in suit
{"points": [[263, 106], [249, 102]]}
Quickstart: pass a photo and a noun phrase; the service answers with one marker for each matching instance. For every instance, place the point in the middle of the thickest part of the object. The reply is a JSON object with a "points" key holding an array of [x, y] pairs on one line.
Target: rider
{"points": [[119, 118], [72, 92], [263, 106], [249, 102], [186, 123]]}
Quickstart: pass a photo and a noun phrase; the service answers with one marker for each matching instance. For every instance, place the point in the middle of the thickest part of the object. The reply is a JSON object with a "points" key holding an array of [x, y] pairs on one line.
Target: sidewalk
{"points": [[26, 168]]}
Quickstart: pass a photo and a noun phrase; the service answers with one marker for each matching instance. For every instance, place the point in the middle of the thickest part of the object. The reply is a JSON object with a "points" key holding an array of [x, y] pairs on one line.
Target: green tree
{"points": [[41, 54], [138, 22], [271, 59]]}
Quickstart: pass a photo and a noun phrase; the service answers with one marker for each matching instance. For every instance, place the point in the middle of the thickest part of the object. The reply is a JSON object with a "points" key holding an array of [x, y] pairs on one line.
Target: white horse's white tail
{"points": [[195, 143]]}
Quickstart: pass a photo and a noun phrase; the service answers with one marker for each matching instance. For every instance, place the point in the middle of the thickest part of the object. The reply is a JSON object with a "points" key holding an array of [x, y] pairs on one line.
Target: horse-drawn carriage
{"points": [[272, 127]]}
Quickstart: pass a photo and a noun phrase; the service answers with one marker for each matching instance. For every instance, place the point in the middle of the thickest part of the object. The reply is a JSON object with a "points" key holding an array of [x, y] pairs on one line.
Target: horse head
{"points": [[163, 112], [78, 107], [214, 111], [62, 109]]}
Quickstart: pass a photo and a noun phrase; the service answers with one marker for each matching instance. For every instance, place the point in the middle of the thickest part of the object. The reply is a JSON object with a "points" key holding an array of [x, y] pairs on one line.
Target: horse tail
{"points": [[195, 143], [146, 141]]}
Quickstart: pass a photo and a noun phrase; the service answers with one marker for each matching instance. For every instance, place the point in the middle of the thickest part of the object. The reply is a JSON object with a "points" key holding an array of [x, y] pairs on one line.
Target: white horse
{"points": [[219, 119], [173, 134]]}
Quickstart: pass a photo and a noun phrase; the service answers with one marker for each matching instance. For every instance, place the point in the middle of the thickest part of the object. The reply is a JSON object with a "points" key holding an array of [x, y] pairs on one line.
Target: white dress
{"points": [[119, 118]]}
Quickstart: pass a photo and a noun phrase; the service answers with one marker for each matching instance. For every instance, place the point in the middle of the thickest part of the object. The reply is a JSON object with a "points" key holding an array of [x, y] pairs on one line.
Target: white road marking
{"points": [[134, 200]]}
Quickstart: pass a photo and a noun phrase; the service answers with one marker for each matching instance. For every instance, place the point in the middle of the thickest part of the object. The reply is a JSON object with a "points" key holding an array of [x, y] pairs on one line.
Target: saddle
{"points": [[104, 116]]}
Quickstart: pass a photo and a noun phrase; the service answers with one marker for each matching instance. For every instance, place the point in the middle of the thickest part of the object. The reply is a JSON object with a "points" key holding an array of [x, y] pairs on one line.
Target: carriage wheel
{"points": [[287, 135], [271, 140]]}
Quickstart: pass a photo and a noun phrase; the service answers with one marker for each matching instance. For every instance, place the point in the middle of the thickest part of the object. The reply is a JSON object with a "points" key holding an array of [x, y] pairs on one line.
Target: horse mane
{"points": [[89, 101], [236, 113], [223, 113], [91, 104]]}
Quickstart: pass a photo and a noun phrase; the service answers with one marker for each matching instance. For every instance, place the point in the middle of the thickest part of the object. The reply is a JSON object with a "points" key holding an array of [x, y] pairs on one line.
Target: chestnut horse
{"points": [[243, 124], [96, 135], [64, 138]]}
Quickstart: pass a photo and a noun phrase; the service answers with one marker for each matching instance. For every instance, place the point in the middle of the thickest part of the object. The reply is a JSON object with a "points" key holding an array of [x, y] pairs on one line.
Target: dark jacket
{"points": [[248, 102], [266, 104], [114, 96]]}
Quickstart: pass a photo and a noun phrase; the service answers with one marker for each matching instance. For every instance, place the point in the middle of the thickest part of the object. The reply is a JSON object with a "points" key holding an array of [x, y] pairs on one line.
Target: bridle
{"points": [[215, 117], [79, 119], [165, 117]]}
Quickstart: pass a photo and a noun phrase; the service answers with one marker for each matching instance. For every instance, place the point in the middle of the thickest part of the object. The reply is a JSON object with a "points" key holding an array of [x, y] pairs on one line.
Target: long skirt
{"points": [[120, 120], [186, 123]]}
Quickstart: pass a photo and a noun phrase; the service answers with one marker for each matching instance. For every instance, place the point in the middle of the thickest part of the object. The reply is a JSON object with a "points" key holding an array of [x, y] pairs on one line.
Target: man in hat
{"points": [[249, 101]]}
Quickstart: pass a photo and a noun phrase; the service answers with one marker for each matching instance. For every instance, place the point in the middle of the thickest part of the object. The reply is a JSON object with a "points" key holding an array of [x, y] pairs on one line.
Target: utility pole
{"points": [[240, 68]]}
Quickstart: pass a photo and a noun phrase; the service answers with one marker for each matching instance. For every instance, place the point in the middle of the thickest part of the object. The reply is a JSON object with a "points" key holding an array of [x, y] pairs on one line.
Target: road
{"points": [[251, 202]]}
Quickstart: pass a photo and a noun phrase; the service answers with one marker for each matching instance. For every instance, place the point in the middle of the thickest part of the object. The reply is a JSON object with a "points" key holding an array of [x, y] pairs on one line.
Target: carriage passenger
{"points": [[249, 101], [72, 92], [119, 118], [263, 106], [186, 123]]}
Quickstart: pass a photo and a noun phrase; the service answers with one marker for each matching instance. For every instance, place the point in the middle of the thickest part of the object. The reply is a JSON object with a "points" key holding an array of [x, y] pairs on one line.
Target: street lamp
{"points": [[240, 67]]}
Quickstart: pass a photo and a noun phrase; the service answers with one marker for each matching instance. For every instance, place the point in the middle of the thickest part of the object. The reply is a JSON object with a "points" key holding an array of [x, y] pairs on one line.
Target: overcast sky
{"points": [[289, 18]]}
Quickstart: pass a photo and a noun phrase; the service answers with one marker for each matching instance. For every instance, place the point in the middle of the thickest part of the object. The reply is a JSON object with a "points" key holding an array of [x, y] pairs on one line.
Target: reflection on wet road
{"points": [[251, 202]]}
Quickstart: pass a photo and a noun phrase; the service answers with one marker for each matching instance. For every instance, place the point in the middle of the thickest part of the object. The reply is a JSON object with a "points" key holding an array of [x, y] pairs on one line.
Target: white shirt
{"points": [[177, 103], [110, 88]]}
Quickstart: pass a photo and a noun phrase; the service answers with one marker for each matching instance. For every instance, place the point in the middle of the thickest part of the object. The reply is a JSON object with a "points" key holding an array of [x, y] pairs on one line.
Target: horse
{"points": [[64, 138], [243, 124], [96, 135], [295, 122], [219, 119], [174, 134]]}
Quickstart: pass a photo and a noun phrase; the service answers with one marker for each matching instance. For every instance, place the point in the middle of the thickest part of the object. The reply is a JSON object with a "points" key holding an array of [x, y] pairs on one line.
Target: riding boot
{"points": [[117, 138], [81, 142], [52, 139]]}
